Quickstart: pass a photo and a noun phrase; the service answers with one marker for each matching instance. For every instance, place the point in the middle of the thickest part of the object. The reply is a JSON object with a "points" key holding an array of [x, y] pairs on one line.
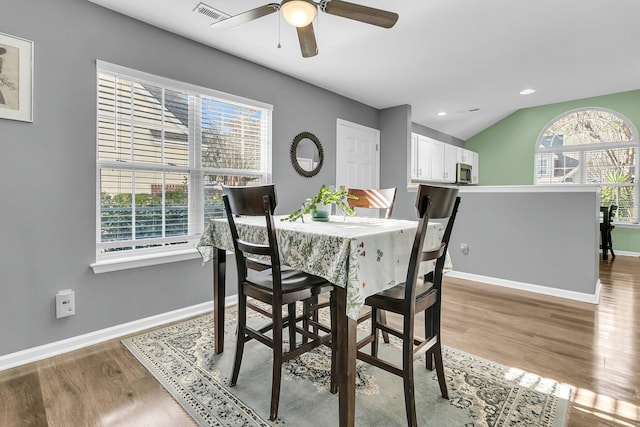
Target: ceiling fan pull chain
{"points": [[279, 21], [318, 31]]}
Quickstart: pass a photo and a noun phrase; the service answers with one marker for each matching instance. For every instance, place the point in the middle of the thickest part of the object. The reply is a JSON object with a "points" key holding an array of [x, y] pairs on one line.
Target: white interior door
{"points": [[357, 156]]}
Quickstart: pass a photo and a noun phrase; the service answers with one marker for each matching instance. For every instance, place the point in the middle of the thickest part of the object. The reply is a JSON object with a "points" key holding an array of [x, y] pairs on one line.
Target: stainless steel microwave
{"points": [[463, 173]]}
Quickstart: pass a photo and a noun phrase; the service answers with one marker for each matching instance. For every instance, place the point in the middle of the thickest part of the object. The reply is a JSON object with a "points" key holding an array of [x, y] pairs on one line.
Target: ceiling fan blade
{"points": [[307, 40], [357, 12], [243, 18]]}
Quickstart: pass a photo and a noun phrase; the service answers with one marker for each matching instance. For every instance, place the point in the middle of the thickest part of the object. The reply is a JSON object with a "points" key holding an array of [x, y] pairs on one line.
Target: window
{"points": [[592, 146], [164, 150]]}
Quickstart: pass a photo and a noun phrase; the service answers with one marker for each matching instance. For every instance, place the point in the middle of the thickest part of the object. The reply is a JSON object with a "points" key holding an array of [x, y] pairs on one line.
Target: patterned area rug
{"points": [[481, 393]]}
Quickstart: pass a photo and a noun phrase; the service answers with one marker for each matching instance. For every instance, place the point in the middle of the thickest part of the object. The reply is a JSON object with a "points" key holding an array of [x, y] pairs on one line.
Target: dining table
{"points": [[359, 256]]}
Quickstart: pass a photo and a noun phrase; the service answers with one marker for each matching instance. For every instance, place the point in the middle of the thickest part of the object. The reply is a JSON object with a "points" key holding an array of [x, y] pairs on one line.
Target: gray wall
{"points": [[395, 135], [435, 134], [541, 238], [47, 168]]}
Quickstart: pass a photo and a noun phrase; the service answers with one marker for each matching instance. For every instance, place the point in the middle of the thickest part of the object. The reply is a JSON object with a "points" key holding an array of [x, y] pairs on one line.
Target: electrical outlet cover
{"points": [[65, 303]]}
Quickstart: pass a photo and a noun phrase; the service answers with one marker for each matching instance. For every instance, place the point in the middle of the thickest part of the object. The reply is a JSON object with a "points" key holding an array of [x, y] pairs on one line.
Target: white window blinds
{"points": [[164, 150]]}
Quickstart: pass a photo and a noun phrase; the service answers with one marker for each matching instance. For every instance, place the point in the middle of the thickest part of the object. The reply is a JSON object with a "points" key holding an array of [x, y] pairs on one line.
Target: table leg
{"points": [[219, 271], [346, 353]]}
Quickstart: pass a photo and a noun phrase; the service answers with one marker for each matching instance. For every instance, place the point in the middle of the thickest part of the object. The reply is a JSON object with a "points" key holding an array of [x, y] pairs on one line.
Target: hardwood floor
{"points": [[593, 348]]}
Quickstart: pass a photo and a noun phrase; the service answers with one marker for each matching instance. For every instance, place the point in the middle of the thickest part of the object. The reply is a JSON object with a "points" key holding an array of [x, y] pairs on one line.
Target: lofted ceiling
{"points": [[469, 58]]}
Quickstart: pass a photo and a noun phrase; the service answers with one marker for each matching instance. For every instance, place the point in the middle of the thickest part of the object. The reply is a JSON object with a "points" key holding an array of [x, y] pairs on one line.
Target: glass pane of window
{"points": [[148, 205], [213, 206], [232, 136], [115, 205], [621, 196], [614, 165], [147, 104], [152, 193], [588, 127], [177, 204]]}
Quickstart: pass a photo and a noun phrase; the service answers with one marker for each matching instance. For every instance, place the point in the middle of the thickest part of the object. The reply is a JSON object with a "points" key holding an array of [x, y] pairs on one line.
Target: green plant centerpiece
{"points": [[319, 206]]}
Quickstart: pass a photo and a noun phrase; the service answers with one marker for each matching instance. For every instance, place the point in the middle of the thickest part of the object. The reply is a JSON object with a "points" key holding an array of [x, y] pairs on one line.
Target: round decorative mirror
{"points": [[306, 154]]}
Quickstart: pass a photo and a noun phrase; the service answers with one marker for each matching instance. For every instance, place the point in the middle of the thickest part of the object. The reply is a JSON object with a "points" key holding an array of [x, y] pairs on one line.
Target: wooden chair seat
{"points": [[393, 299], [291, 281]]}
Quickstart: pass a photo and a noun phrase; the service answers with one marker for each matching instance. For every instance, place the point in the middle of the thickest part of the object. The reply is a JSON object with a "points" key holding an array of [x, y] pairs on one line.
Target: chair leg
{"points": [[240, 338], [314, 313], [428, 333], [306, 313], [407, 378], [437, 354], [382, 319], [291, 310], [333, 388], [610, 243], [374, 331], [277, 362]]}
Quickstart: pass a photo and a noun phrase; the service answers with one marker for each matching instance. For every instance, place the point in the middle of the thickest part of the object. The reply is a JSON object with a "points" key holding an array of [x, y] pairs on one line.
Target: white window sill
{"points": [[117, 264], [627, 225]]}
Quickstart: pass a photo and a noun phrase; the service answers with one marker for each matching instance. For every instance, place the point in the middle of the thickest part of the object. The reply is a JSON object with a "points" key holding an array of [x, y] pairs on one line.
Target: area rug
{"points": [[481, 393]]}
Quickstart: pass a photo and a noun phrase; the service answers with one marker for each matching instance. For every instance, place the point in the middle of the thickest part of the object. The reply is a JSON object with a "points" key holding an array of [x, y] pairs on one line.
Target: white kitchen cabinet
{"points": [[475, 167], [450, 161], [423, 155], [436, 161]]}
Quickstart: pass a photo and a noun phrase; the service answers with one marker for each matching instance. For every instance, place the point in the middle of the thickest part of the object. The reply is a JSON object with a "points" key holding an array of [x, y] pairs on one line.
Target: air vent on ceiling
{"points": [[210, 12]]}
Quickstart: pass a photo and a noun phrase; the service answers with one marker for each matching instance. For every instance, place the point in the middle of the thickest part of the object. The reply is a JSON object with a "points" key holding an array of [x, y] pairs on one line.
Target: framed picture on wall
{"points": [[16, 78]]}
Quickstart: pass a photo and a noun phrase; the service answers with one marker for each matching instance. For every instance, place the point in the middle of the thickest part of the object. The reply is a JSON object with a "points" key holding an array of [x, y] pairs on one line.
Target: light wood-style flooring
{"points": [[593, 348]]}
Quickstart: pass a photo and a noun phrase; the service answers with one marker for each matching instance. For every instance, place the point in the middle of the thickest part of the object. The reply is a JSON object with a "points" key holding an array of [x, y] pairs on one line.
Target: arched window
{"points": [[592, 146]]}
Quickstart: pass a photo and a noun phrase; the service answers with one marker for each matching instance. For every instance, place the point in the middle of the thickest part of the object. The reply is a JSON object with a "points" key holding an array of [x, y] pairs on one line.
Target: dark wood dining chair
{"points": [[275, 287], [415, 295], [373, 199], [606, 226]]}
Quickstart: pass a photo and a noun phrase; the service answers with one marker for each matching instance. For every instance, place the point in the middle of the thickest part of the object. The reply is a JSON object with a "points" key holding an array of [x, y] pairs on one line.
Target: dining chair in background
{"points": [[276, 286], [373, 199], [607, 226], [417, 294]]}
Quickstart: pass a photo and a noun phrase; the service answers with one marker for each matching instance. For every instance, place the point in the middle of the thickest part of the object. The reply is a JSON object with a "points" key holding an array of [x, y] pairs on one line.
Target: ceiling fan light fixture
{"points": [[298, 13]]}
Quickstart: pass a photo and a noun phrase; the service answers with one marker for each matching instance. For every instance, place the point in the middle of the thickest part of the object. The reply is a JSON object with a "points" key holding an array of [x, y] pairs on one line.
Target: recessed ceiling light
{"points": [[442, 113], [527, 91]]}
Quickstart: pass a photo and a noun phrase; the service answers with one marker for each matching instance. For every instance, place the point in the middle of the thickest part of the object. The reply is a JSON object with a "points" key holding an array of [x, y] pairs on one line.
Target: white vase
{"points": [[322, 214]]}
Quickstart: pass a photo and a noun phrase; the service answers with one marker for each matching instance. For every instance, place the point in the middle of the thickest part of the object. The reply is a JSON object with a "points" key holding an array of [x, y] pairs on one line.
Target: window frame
{"points": [[583, 149], [195, 171]]}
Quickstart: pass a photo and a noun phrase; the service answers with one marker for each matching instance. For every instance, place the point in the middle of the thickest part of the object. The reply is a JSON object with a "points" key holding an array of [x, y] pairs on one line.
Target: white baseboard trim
{"points": [[626, 253], [538, 289], [34, 354]]}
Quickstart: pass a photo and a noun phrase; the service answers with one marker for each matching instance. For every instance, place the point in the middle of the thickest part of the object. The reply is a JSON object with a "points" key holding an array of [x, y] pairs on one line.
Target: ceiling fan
{"points": [[300, 14]]}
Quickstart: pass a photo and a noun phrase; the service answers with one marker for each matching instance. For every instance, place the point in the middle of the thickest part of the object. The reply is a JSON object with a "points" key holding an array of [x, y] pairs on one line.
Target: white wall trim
{"points": [[538, 289], [117, 264], [540, 188], [34, 354], [626, 253]]}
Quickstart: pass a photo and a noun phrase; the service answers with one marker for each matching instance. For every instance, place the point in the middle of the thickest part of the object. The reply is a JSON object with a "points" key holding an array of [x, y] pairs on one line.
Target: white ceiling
{"points": [[442, 55]]}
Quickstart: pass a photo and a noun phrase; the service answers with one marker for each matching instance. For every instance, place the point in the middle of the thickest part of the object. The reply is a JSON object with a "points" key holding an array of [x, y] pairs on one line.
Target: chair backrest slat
{"points": [[253, 201], [613, 210], [247, 200], [383, 198]]}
